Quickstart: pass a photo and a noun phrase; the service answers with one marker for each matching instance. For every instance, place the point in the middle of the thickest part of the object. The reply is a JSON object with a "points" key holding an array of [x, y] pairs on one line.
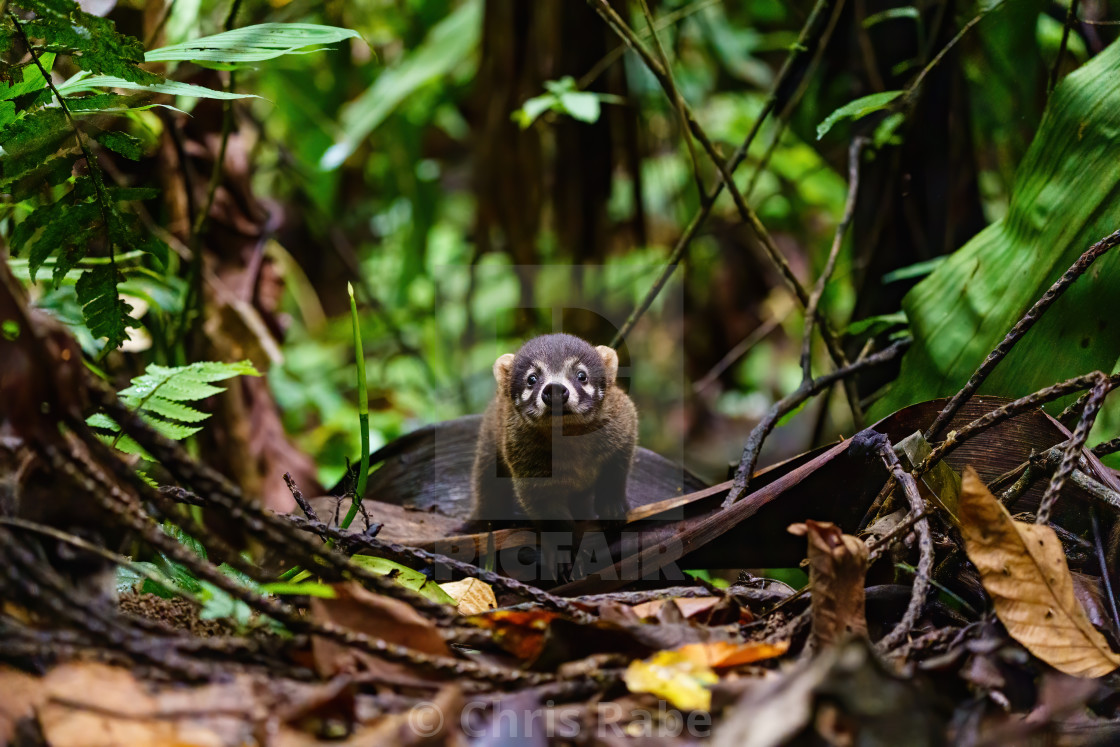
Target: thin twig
{"points": [[674, 97], [854, 153], [882, 544], [803, 43], [1011, 409], [194, 282], [952, 43], [1106, 577], [1073, 449], [925, 550], [1107, 447], [790, 402], [737, 352], [1074, 410], [1071, 16], [1021, 328], [664, 22], [415, 555], [297, 495]]}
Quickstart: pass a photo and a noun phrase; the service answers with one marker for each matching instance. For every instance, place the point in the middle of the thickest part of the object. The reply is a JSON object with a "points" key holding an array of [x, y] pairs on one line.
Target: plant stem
{"points": [[363, 414]]}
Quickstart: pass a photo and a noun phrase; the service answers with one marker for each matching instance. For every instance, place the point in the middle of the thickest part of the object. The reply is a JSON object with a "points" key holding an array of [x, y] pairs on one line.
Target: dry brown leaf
{"points": [[378, 616], [1024, 570], [837, 568], [471, 595], [88, 704], [689, 606], [520, 632]]}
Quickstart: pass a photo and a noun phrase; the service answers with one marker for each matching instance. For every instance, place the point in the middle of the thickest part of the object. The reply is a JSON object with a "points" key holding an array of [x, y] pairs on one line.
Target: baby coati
{"points": [[558, 438]]}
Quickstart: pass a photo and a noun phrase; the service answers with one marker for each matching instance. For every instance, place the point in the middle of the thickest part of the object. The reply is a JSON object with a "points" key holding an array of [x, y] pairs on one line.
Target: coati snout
{"points": [[557, 375], [557, 440]]}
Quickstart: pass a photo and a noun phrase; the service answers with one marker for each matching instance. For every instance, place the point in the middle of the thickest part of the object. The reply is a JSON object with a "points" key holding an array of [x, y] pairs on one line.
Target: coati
{"points": [[557, 439]]}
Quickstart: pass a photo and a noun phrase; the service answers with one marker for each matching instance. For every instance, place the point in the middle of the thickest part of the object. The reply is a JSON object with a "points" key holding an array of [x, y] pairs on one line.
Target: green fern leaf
{"points": [[174, 410], [158, 393], [92, 41], [104, 312], [55, 227], [174, 431], [49, 172]]}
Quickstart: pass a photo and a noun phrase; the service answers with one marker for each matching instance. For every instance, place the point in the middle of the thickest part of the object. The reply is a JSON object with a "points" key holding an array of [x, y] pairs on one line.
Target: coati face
{"points": [[557, 375]]}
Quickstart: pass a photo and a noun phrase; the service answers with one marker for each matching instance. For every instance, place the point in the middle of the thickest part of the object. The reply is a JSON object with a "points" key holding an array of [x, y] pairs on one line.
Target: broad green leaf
{"points": [[264, 41], [532, 109], [405, 576], [875, 324], [858, 109], [310, 588], [445, 47], [1066, 196], [581, 106], [1005, 72], [83, 82], [916, 270]]}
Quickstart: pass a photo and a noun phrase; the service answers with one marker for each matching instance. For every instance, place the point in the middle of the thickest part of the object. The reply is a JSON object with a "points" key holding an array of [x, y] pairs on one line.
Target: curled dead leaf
{"points": [[471, 595], [837, 568], [362, 611], [1024, 570]]}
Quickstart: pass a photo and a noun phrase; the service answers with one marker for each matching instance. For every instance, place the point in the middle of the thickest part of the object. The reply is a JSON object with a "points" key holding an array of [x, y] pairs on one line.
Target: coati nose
{"points": [[557, 390]]}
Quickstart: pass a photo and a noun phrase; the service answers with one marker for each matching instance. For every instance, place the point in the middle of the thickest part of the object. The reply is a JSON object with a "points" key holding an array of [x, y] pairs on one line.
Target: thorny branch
{"points": [[1073, 448]]}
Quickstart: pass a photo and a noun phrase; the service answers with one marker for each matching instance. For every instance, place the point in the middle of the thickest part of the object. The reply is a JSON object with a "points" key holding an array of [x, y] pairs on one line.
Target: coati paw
{"points": [[611, 512]]}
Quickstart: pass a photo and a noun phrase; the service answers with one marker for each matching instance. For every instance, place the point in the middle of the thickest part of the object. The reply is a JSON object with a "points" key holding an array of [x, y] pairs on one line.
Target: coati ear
{"points": [[610, 362], [502, 367]]}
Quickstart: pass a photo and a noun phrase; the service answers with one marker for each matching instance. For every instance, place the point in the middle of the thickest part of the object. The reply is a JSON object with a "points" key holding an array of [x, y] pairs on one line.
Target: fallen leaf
{"points": [[690, 607], [520, 632], [675, 677], [724, 654], [844, 685], [19, 694], [88, 704], [837, 568], [362, 611], [1024, 570], [471, 595]]}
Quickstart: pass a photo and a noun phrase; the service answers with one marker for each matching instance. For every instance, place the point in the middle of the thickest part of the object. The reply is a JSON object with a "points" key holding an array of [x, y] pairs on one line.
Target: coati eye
{"points": [[532, 379], [581, 376]]}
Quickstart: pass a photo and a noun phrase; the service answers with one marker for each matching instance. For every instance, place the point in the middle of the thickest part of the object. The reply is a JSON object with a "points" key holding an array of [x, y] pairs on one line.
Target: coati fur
{"points": [[557, 440]]}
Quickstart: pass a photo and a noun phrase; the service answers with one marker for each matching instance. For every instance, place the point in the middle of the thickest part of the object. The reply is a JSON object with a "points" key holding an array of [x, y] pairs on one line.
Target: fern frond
{"points": [[105, 313], [158, 396], [92, 41]]}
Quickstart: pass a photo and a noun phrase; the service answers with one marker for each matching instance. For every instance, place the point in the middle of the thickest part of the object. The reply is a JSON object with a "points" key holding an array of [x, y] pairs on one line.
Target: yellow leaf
{"points": [[1024, 571], [675, 677], [473, 596]]}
